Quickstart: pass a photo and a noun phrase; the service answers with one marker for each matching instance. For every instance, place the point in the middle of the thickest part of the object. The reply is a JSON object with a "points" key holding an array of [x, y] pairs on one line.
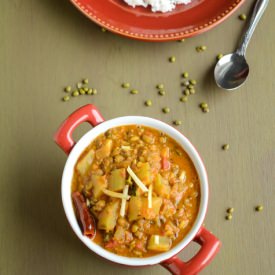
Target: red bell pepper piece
{"points": [[165, 163], [111, 244]]}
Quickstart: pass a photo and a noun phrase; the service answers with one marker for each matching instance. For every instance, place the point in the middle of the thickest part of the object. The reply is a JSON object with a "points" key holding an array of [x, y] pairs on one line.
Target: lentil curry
{"points": [[135, 191]]}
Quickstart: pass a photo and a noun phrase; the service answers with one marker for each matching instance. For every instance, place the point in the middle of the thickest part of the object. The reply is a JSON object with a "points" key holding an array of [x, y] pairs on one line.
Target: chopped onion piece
{"points": [[182, 176], [150, 196], [137, 180], [123, 202], [156, 239], [126, 148], [115, 194]]}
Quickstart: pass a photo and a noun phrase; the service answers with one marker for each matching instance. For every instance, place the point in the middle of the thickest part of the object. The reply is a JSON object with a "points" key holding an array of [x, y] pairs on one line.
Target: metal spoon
{"points": [[232, 70]]}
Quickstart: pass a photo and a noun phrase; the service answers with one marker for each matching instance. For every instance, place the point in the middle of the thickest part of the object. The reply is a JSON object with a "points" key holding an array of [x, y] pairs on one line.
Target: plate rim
{"points": [[173, 36]]}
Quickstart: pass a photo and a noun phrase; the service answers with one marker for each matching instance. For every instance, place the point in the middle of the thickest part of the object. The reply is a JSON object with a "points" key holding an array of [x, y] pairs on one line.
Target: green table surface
{"points": [[48, 44]]}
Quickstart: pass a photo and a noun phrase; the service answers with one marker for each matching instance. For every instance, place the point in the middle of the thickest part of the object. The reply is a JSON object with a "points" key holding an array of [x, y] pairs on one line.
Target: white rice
{"points": [[157, 5]]}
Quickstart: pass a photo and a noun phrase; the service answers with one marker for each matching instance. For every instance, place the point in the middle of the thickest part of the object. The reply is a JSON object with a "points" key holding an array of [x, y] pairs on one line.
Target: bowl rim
{"points": [[80, 146]]}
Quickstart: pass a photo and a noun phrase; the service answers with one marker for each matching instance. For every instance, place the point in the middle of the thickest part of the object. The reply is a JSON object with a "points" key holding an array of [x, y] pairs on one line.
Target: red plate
{"points": [[140, 23]]}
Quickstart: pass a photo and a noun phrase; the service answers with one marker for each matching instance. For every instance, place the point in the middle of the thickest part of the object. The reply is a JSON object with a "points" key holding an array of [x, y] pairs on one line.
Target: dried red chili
{"points": [[83, 215]]}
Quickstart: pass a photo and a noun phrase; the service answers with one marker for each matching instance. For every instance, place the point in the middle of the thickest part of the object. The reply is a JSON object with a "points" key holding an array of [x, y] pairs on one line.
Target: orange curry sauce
{"points": [[157, 160]]}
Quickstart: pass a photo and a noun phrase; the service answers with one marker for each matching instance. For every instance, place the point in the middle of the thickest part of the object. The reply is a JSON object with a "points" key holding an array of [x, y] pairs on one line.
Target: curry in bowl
{"points": [[135, 191]]}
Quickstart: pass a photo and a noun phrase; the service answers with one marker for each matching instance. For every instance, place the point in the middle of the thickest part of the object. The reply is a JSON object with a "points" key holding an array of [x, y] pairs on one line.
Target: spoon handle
{"points": [[258, 11]]}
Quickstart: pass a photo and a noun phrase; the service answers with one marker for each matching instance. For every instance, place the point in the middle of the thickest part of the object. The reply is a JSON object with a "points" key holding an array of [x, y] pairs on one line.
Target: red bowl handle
{"points": [[63, 136], [210, 245]]}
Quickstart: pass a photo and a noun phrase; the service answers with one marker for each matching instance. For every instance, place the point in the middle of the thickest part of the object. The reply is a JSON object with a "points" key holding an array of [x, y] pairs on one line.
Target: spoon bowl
{"points": [[231, 71]]}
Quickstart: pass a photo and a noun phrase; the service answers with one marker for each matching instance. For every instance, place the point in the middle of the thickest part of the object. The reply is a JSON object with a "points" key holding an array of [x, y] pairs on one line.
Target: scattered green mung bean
{"points": [[186, 92], [190, 86], [90, 92], [242, 17], [204, 105], [206, 110], [230, 210], [192, 91], [177, 122], [185, 83], [66, 98], [225, 147], [75, 93], [103, 30], [185, 75], [81, 91], [259, 208], [198, 49], [68, 89], [184, 99], [94, 91], [125, 85], [229, 217], [160, 86], [219, 56], [193, 81], [201, 48], [148, 103], [172, 59], [161, 92], [134, 92], [166, 110]]}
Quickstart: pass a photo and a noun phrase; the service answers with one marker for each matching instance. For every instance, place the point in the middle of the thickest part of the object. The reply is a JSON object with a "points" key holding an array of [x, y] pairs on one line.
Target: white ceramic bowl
{"points": [[63, 137]]}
